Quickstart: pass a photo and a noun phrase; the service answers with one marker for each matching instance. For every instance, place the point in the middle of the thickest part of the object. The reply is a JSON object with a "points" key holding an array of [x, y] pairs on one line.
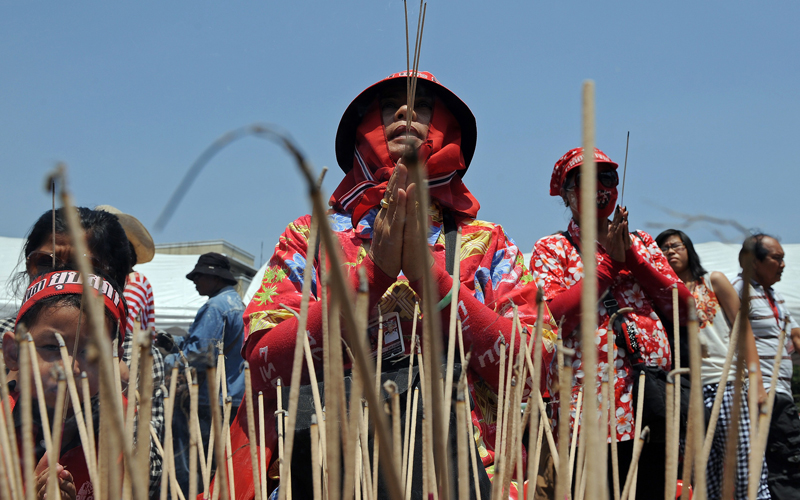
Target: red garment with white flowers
{"points": [[643, 282]]}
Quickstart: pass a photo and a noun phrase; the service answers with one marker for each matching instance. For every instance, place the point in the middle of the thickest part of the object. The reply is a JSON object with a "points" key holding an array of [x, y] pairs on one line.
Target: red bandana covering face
{"points": [[364, 185], [70, 283]]}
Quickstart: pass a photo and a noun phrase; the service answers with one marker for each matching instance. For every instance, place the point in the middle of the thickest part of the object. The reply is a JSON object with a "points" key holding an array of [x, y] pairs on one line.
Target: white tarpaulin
{"points": [[175, 297], [715, 256]]}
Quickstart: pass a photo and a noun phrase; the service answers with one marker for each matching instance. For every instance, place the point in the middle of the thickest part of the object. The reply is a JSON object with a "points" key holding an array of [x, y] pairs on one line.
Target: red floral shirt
{"points": [[557, 267]]}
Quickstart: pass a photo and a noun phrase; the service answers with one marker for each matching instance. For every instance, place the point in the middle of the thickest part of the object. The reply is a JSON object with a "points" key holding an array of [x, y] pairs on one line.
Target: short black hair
{"points": [[104, 236], [755, 244], [695, 267]]}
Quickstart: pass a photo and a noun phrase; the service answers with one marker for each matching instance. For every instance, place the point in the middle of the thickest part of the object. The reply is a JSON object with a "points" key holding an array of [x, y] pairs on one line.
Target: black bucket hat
{"points": [[213, 264], [351, 119]]}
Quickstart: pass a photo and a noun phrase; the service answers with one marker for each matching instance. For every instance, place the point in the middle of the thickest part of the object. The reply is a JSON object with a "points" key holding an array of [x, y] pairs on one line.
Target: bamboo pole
{"points": [[260, 490], [637, 451], [588, 223]]}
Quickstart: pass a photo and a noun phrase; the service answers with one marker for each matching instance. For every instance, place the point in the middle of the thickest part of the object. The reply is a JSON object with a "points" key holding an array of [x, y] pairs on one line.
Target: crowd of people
{"points": [[373, 215]]}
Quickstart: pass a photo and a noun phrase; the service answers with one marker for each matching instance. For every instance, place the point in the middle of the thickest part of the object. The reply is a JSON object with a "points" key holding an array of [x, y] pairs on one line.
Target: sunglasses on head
{"points": [[608, 178], [38, 262]]}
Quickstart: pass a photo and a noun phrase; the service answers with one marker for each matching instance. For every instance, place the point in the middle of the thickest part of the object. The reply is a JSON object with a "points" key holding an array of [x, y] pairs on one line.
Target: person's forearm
{"points": [[656, 285]]}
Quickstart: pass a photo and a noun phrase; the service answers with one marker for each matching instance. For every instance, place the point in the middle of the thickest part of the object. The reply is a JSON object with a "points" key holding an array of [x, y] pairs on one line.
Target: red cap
{"points": [[569, 161], [346, 134]]}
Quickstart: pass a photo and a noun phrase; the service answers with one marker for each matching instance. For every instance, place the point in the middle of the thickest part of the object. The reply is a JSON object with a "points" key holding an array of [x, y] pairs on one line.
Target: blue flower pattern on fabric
{"points": [[340, 222], [501, 267], [481, 282], [297, 267]]}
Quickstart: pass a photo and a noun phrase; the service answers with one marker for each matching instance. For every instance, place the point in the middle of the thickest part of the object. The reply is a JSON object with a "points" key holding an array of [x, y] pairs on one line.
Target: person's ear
{"points": [[10, 351], [564, 197]]}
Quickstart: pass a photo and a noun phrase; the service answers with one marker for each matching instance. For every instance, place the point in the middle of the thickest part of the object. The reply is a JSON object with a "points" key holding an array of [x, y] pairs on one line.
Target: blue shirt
{"points": [[218, 320]]}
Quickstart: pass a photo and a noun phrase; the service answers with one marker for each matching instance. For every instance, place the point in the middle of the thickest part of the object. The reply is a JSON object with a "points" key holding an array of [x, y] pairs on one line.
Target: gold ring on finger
{"points": [[384, 203]]}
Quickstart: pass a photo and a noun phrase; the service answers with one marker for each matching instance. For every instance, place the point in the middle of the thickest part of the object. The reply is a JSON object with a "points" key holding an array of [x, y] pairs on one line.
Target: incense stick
{"points": [[279, 415], [451, 334], [364, 439], [410, 467], [53, 488], [194, 436], [637, 451], [315, 465], [671, 459], [696, 416], [565, 396], [262, 444], [574, 443], [461, 436], [412, 347], [9, 433], [145, 407], [625, 170], [378, 368], [221, 477]]}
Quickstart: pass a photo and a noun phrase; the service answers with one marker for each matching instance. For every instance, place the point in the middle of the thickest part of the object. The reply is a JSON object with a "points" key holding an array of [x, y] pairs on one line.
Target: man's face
{"points": [[205, 284], [767, 272], [394, 114]]}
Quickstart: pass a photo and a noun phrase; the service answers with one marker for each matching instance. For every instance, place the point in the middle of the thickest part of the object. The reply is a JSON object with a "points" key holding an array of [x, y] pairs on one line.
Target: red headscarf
{"points": [[364, 185]]}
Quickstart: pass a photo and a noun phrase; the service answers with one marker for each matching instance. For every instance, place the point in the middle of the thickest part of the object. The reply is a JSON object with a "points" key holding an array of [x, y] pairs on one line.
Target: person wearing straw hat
{"points": [[631, 272], [141, 312], [217, 329], [374, 216]]}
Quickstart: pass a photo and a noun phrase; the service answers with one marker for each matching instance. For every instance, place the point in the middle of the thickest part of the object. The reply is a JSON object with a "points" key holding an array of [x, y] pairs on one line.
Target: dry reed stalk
{"points": [[671, 459], [145, 408], [316, 467], [410, 466], [89, 453], [297, 364], [26, 407], [588, 223], [726, 366], [565, 392], [431, 332], [765, 417], [221, 479], [378, 369], [101, 344], [637, 452], [194, 436], [391, 388], [451, 332], [260, 490], [412, 348], [461, 436], [130, 410], [364, 438], [12, 461], [574, 443], [279, 414], [499, 432], [53, 488], [611, 352], [696, 417]]}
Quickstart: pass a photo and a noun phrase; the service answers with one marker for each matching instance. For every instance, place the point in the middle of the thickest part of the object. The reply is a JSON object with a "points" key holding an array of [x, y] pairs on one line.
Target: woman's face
{"points": [[62, 319], [675, 252], [607, 181], [41, 259], [394, 114]]}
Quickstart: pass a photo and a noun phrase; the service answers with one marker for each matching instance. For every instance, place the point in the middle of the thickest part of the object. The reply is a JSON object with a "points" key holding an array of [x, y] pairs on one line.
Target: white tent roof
{"points": [[175, 297], [715, 256], [177, 301]]}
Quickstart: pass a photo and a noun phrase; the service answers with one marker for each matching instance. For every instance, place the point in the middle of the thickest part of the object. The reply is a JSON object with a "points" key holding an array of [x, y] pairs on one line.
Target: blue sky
{"points": [[128, 95]]}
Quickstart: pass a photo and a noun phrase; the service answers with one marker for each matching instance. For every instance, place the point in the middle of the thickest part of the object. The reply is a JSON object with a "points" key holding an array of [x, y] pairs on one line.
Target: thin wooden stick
{"points": [[226, 426], [262, 441], [426, 488], [260, 490], [461, 433], [412, 347], [378, 369], [166, 472], [611, 352], [451, 334], [336, 411], [133, 383], [12, 461], [364, 438], [498, 440], [101, 344], [350, 473], [52, 456], [595, 481], [638, 430], [26, 406], [221, 476], [53, 489], [89, 453], [145, 408], [671, 459], [316, 469], [5, 445], [410, 466], [574, 443], [765, 417], [674, 446], [565, 395], [696, 417], [391, 388], [581, 460], [87, 401], [194, 437], [637, 452]]}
